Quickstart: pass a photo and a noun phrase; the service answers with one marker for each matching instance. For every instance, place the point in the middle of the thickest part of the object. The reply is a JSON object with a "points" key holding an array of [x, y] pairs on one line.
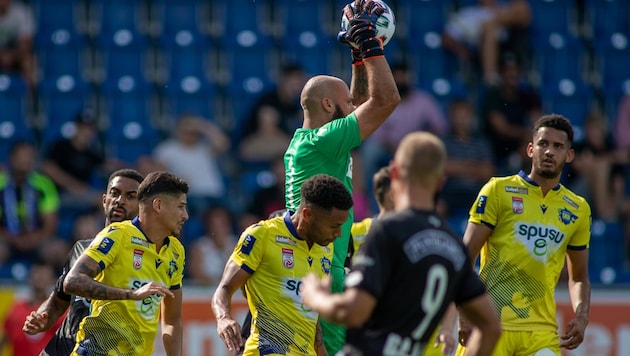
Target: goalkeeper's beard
{"points": [[338, 114]]}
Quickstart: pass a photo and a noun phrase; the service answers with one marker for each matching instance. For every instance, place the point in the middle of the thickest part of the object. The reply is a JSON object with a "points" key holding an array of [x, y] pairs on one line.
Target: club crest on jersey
{"points": [[566, 216], [172, 268], [137, 258], [481, 204], [287, 258], [517, 205], [325, 264]]}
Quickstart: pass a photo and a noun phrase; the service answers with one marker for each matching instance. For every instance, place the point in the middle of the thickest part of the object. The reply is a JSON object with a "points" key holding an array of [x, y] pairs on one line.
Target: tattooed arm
{"points": [[320, 348], [359, 85], [80, 281]]}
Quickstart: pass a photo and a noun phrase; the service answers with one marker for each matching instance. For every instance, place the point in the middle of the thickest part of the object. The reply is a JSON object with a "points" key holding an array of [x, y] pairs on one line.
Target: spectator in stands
{"points": [[209, 253], [597, 171], [418, 110], [470, 161], [270, 198], [29, 206], [193, 153], [75, 163], [17, 29], [87, 225], [508, 112], [268, 141], [41, 280], [482, 32], [622, 139], [284, 98]]}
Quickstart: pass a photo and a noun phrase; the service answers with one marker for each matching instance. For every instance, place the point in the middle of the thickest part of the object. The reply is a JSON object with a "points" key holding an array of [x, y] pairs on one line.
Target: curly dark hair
{"points": [[126, 173], [161, 182], [555, 121], [326, 192]]}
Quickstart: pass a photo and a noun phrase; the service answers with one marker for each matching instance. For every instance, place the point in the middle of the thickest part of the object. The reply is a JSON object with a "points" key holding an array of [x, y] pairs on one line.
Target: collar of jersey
{"points": [[136, 223], [289, 224], [530, 181]]}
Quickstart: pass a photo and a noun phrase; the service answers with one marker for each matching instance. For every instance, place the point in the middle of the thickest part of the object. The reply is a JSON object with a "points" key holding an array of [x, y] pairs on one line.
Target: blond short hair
{"points": [[420, 158]]}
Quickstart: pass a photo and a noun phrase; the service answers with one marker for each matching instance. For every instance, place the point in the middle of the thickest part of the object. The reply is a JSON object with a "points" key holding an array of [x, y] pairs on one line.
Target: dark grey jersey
{"points": [[415, 266], [63, 341]]}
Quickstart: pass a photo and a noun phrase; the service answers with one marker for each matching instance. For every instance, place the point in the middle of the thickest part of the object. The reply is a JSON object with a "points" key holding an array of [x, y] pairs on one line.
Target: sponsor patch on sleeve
{"points": [[248, 244], [481, 204], [105, 245]]}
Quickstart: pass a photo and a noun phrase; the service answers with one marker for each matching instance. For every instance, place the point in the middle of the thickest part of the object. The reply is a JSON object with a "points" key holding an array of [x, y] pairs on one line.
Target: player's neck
{"points": [[156, 234], [418, 199], [545, 184]]}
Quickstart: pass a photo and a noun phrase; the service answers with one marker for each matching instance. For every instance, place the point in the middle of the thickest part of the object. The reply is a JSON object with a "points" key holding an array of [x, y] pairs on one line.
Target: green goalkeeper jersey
{"points": [[324, 150]]}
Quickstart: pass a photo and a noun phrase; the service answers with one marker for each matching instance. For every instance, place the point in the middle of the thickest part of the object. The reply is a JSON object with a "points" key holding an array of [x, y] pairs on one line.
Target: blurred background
{"points": [[210, 90]]}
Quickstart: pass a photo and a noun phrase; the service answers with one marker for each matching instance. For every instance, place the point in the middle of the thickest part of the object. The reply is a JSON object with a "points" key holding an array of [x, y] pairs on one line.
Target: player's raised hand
{"points": [[446, 338], [35, 323], [150, 289], [230, 332]]}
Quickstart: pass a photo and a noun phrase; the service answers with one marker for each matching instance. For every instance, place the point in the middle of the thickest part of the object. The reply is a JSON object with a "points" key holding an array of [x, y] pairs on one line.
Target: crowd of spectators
{"points": [[485, 130]]}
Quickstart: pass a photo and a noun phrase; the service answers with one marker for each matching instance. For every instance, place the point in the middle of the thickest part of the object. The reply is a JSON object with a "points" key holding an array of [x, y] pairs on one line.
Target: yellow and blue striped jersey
{"points": [[278, 258], [522, 260], [128, 259]]}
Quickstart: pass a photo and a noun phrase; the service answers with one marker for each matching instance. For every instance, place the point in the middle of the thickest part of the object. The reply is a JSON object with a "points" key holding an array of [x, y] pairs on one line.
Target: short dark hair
{"points": [[555, 121], [161, 182], [126, 173], [326, 192], [381, 184]]}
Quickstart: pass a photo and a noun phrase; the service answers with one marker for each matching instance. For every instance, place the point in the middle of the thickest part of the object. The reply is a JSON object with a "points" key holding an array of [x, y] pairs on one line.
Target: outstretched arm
{"points": [[46, 315]]}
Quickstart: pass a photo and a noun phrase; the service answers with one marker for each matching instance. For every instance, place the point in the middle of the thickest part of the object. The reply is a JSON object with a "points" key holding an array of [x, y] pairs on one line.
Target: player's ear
{"points": [[570, 156], [156, 203]]}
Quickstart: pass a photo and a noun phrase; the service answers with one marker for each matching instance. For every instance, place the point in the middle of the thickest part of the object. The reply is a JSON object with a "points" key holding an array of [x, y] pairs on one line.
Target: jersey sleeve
{"points": [[338, 137], [73, 255], [486, 207], [250, 248], [581, 239], [179, 262], [106, 246], [372, 267]]}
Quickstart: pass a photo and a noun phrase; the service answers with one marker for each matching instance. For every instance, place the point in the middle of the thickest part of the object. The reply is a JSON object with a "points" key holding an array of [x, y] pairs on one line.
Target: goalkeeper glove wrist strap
{"points": [[357, 59], [371, 48]]}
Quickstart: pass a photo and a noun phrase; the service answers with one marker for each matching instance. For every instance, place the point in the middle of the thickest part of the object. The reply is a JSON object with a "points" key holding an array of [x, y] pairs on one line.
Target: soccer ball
{"points": [[385, 25]]}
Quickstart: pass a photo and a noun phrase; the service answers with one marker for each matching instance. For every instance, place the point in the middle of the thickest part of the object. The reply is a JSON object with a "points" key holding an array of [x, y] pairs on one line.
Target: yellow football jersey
{"points": [[523, 257], [128, 260], [359, 231], [278, 258]]}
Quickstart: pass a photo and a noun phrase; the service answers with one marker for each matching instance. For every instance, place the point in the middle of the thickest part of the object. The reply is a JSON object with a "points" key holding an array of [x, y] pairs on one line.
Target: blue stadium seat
{"points": [[58, 18], [569, 97], [131, 140], [191, 95], [190, 61], [445, 90], [421, 17], [606, 254], [606, 17], [180, 21], [112, 16], [13, 121], [294, 17], [612, 56], [559, 55], [552, 16], [61, 99], [239, 19], [130, 60]]}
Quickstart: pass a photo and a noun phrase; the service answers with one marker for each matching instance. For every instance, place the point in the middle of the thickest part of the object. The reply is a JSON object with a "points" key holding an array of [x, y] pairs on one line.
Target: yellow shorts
{"points": [[524, 343], [429, 350]]}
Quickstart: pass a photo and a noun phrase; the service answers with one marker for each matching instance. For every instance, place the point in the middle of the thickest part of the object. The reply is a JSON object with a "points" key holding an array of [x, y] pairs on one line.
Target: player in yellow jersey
{"points": [[270, 260], [132, 272], [524, 225]]}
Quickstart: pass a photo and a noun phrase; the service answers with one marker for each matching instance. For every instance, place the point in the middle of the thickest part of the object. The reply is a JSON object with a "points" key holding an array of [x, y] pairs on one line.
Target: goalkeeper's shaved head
{"points": [[318, 88]]}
